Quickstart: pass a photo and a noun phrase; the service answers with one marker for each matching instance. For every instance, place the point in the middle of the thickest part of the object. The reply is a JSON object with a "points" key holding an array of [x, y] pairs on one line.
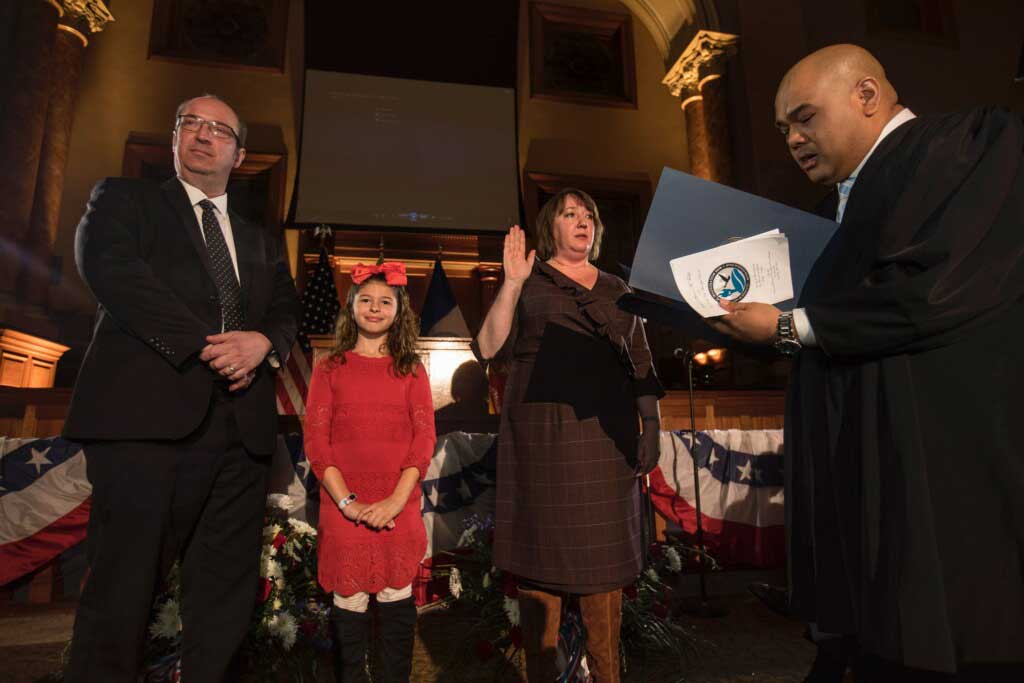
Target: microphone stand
{"points": [[703, 608]]}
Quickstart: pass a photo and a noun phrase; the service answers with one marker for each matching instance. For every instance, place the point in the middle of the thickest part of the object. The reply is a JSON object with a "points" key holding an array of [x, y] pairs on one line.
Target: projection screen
{"points": [[395, 152]]}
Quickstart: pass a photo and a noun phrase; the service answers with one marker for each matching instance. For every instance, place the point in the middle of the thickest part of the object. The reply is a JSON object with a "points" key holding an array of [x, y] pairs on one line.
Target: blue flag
{"points": [[441, 316]]}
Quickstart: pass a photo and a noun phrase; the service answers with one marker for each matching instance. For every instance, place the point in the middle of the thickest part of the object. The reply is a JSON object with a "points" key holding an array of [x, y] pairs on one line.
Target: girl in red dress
{"points": [[369, 435]]}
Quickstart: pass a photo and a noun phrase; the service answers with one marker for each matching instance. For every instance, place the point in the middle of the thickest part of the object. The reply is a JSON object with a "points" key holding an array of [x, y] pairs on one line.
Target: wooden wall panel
{"points": [[754, 409], [26, 413]]}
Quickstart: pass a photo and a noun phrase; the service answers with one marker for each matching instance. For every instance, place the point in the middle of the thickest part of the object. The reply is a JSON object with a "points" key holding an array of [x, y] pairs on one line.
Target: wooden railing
{"points": [[40, 412], [725, 409]]}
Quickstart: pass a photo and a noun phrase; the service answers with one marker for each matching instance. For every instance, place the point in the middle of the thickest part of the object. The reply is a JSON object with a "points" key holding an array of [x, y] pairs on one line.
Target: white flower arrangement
{"points": [[468, 537], [168, 621], [675, 562], [300, 527], [289, 624], [283, 627], [491, 595], [280, 500], [511, 606], [269, 567], [455, 582]]}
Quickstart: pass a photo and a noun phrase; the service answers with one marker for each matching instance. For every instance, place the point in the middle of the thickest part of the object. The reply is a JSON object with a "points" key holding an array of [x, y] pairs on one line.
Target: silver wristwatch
{"points": [[347, 500], [786, 341]]}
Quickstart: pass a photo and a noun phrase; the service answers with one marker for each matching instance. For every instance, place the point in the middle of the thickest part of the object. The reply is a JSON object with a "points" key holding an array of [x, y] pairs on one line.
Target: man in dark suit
{"points": [[175, 402], [904, 482]]}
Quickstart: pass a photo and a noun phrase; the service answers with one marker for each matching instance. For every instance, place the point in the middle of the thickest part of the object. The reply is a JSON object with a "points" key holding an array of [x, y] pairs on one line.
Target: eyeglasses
{"points": [[193, 123]]}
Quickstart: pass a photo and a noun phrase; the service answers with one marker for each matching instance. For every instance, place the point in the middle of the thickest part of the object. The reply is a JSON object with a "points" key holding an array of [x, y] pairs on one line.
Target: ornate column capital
{"points": [[701, 58], [86, 16]]}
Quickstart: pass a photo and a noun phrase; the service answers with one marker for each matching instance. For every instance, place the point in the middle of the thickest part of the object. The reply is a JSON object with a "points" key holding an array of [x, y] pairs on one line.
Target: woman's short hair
{"points": [[546, 222]]}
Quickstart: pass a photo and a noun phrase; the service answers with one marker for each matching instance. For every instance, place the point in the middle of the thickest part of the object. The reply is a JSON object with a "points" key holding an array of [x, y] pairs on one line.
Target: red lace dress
{"points": [[370, 423]]}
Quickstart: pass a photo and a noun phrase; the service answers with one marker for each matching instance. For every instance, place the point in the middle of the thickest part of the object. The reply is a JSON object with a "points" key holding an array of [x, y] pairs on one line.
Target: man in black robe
{"points": [[905, 466]]}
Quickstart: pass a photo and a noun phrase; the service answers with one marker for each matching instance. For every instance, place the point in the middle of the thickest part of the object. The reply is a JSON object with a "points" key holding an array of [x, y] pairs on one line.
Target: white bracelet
{"points": [[350, 498]]}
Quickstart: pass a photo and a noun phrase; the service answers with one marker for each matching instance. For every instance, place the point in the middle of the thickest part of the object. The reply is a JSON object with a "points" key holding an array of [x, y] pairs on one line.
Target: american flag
{"points": [[44, 502], [320, 308], [45, 495], [741, 490]]}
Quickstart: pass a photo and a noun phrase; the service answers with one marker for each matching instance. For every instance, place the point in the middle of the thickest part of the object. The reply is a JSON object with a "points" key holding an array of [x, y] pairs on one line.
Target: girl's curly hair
{"points": [[402, 336]]}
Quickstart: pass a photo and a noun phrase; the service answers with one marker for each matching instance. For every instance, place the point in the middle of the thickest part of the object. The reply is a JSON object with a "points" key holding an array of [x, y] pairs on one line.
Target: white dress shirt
{"points": [[220, 203], [800, 321]]}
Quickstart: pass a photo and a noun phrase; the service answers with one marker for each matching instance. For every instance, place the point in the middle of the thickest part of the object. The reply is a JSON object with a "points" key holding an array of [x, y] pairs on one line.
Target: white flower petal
{"points": [[511, 606]]}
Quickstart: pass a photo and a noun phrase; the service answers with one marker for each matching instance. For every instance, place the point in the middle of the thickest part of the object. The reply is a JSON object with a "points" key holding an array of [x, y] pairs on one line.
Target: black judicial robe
{"points": [[905, 426]]}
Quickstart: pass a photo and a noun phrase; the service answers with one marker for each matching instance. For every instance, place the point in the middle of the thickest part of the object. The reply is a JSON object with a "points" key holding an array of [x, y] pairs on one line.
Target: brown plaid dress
{"points": [[568, 504]]}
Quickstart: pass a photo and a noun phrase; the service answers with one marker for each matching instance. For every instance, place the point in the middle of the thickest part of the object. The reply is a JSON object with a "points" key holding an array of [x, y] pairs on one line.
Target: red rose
{"points": [[516, 635], [630, 592], [308, 628], [279, 540], [660, 610], [484, 649], [264, 591]]}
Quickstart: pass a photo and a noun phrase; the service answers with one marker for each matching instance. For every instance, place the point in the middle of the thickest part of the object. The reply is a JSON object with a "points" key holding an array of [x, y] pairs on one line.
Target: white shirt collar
{"points": [[896, 121], [195, 195]]}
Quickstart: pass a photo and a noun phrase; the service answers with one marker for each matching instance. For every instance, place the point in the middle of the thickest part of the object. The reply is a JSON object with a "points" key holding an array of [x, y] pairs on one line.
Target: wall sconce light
{"points": [[706, 362]]}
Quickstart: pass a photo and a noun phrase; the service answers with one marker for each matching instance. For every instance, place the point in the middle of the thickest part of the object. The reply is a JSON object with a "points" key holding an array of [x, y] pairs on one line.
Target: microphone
{"points": [[682, 354]]}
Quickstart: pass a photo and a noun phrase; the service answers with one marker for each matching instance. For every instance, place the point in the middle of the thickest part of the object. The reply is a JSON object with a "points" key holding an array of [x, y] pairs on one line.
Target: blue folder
{"points": [[690, 214]]}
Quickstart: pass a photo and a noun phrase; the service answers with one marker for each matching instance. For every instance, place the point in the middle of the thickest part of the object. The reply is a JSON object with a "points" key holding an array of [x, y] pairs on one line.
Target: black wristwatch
{"points": [[786, 341]]}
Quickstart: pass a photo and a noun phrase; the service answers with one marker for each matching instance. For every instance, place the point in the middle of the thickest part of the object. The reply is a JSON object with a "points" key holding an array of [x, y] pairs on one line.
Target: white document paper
{"points": [[754, 269]]}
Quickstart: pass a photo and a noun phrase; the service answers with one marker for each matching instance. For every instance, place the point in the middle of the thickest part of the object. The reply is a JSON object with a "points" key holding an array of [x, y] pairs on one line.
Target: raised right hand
{"points": [[517, 263]]}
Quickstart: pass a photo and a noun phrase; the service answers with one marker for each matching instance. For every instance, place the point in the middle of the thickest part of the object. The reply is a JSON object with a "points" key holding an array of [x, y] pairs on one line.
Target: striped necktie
{"points": [[223, 271]]}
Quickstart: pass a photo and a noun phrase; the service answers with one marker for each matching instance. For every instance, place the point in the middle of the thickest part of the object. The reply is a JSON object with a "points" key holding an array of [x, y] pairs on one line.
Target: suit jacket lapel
{"points": [[247, 250], [828, 206], [175, 194]]}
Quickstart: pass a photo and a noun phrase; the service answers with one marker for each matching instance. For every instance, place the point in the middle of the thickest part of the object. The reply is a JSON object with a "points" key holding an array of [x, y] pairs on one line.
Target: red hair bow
{"points": [[393, 272]]}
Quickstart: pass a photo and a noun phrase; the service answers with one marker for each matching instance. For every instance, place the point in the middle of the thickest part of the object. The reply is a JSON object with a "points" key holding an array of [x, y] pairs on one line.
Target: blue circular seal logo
{"points": [[729, 282]]}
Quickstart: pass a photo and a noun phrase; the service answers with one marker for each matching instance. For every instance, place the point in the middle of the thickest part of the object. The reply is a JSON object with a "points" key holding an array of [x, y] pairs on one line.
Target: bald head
{"points": [[832, 106], [840, 67]]}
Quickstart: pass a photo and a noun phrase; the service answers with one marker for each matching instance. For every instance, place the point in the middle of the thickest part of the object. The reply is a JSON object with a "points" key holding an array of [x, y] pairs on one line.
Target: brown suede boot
{"points": [[602, 617], [540, 614]]}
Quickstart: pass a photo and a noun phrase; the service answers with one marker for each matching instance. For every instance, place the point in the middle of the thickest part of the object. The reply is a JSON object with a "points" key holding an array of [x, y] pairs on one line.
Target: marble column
{"points": [[716, 127], [29, 42], [81, 19], [697, 137], [66, 63], [698, 79]]}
